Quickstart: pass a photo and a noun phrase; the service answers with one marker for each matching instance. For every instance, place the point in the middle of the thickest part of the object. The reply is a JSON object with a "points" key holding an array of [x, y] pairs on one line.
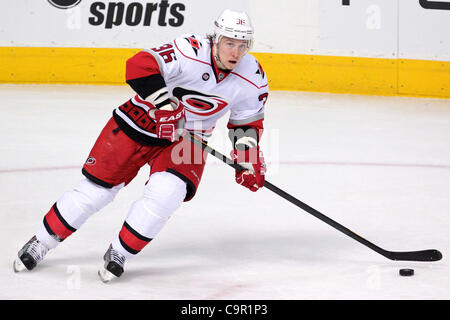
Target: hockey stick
{"points": [[421, 255]]}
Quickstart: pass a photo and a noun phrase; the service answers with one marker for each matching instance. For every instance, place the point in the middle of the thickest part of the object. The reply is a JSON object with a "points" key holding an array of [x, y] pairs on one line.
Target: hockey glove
{"points": [[170, 120], [253, 161]]}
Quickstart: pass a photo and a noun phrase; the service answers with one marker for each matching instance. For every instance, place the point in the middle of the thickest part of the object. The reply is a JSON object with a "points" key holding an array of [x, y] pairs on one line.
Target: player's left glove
{"points": [[252, 160], [170, 120]]}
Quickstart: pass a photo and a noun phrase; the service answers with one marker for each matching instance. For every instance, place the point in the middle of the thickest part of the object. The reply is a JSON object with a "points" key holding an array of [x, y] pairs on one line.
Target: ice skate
{"points": [[30, 255], [113, 267]]}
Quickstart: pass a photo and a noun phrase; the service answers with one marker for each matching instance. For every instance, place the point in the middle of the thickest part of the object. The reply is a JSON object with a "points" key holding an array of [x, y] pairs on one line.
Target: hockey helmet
{"points": [[235, 25]]}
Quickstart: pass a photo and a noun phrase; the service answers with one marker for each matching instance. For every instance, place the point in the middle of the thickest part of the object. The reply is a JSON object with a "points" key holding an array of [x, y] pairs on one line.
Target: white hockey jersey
{"points": [[208, 93]]}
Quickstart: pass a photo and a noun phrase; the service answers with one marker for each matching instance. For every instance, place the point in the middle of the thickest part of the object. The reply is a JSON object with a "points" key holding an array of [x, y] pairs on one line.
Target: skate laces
{"points": [[115, 256], [36, 249]]}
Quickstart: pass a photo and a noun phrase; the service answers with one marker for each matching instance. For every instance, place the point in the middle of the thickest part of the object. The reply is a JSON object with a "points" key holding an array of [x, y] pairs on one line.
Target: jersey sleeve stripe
{"points": [[240, 122]]}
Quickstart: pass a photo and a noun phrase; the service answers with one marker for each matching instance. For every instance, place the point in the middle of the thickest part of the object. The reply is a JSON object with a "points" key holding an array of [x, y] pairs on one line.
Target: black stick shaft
{"points": [[423, 255]]}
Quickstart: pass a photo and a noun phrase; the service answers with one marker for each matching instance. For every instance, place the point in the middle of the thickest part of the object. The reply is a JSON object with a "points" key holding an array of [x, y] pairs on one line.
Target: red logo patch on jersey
{"points": [[200, 103], [194, 44], [91, 161]]}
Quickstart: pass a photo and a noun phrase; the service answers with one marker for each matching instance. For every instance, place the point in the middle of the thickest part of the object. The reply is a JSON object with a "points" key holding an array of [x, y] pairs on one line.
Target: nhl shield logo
{"points": [[205, 76]]}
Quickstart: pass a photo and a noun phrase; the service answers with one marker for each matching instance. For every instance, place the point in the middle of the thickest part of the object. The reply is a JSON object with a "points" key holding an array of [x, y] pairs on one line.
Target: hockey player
{"points": [[182, 87]]}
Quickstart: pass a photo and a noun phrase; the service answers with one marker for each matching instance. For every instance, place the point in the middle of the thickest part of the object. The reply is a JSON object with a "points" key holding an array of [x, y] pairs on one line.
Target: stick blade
{"points": [[423, 255]]}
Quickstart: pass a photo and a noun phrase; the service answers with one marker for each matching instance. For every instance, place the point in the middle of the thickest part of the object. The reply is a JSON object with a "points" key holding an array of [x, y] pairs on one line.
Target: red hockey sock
{"points": [[56, 225], [131, 240]]}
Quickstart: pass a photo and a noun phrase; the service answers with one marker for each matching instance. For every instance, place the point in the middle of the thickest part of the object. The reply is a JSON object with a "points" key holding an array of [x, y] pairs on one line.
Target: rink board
{"points": [[376, 47], [285, 71]]}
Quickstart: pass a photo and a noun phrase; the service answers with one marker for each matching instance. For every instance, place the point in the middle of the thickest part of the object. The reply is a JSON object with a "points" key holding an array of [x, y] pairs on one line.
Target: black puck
{"points": [[406, 272]]}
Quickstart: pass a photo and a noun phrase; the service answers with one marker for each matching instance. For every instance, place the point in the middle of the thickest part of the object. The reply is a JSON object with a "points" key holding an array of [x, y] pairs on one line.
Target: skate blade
{"points": [[18, 266], [105, 275]]}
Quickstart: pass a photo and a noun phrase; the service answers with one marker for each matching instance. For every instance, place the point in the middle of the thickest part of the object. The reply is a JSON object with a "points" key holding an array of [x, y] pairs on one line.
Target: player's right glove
{"points": [[170, 120], [252, 159]]}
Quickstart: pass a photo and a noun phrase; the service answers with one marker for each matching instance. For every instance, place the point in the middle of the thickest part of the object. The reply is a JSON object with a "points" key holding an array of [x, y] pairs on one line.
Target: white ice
{"points": [[378, 165]]}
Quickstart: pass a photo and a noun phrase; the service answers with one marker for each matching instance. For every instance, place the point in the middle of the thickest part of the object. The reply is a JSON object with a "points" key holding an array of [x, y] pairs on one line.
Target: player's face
{"points": [[231, 51]]}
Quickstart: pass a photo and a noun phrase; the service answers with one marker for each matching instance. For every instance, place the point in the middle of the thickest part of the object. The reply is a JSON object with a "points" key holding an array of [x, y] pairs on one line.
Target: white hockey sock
{"points": [[72, 210], [163, 194]]}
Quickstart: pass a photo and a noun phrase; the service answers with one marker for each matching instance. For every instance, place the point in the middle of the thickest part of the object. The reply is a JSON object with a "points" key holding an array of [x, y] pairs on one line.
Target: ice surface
{"points": [[378, 165]]}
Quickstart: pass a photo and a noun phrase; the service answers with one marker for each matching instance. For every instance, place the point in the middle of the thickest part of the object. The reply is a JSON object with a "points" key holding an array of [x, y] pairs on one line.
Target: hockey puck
{"points": [[406, 272]]}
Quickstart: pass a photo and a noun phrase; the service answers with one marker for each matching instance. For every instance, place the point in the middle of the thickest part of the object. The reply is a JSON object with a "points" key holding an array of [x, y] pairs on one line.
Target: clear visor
{"points": [[230, 43]]}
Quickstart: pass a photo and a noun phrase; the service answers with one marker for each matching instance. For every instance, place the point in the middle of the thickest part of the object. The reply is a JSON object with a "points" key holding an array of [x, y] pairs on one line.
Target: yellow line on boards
{"points": [[294, 72]]}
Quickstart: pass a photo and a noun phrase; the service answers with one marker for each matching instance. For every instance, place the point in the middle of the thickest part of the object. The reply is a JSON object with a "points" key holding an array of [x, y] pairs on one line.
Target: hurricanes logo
{"points": [[64, 4], [91, 161], [200, 103]]}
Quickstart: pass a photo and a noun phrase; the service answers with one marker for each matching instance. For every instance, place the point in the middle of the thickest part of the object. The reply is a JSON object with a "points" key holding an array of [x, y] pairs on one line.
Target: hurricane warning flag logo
{"points": [[200, 103]]}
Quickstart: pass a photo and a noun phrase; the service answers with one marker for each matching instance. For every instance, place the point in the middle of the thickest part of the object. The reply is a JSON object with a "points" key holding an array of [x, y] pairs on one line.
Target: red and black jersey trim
{"points": [[145, 86], [142, 64], [138, 136], [132, 240], [56, 225], [144, 75]]}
